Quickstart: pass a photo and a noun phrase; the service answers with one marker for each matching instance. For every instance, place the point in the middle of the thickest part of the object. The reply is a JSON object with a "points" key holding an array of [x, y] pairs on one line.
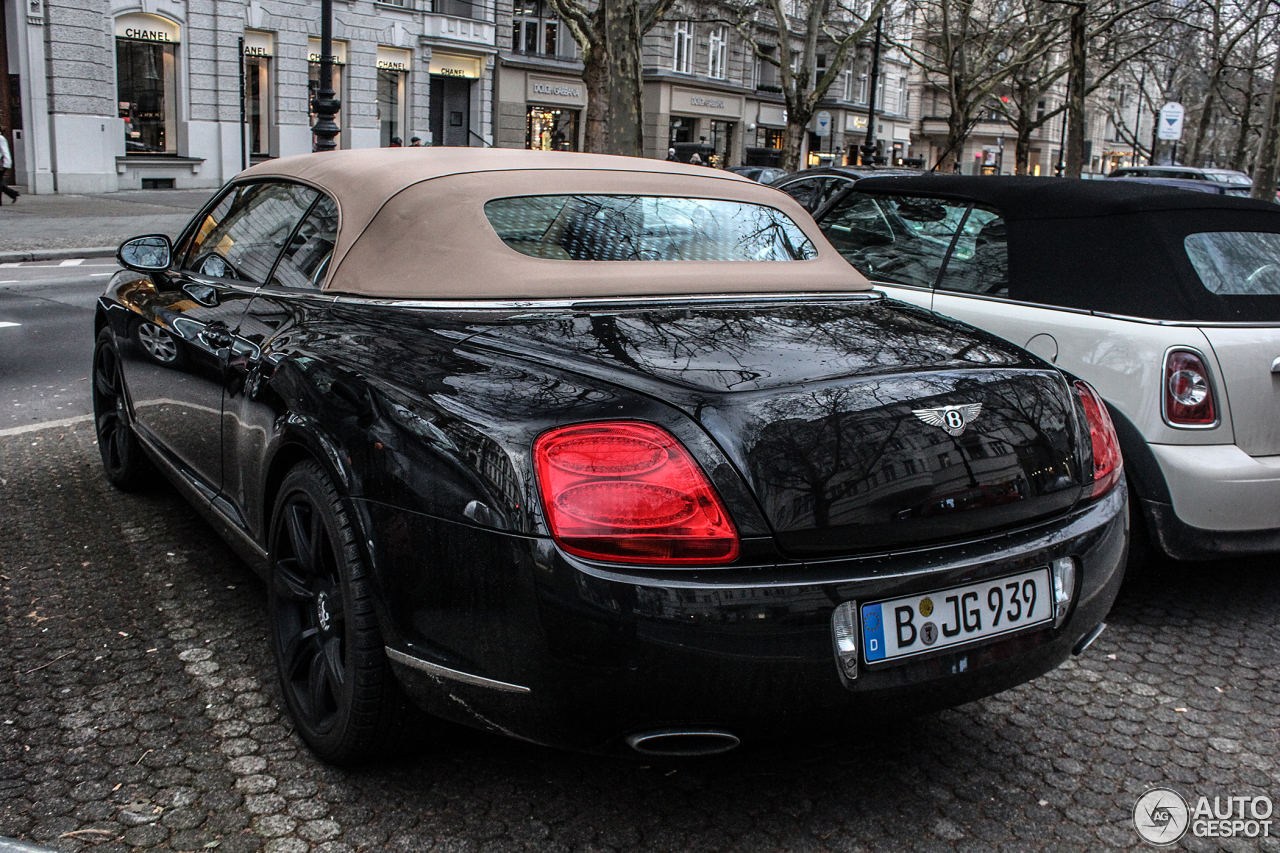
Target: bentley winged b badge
{"points": [[954, 419]]}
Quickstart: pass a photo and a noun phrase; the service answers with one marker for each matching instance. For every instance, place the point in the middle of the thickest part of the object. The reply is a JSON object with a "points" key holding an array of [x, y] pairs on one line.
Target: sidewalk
{"points": [[51, 227]]}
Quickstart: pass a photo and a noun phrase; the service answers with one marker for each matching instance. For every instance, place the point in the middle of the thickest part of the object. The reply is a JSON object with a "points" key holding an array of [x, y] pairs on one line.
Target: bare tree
{"points": [[609, 36], [830, 28], [1268, 166], [969, 49]]}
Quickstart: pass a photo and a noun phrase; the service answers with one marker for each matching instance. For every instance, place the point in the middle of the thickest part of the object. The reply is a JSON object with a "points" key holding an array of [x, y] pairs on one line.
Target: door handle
{"points": [[217, 335], [1275, 366]]}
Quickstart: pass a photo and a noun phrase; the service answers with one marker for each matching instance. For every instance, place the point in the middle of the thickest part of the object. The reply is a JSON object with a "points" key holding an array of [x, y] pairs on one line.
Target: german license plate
{"points": [[920, 624]]}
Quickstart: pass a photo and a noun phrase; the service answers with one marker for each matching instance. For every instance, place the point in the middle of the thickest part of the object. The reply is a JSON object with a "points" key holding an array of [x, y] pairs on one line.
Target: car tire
{"points": [[333, 671], [125, 462]]}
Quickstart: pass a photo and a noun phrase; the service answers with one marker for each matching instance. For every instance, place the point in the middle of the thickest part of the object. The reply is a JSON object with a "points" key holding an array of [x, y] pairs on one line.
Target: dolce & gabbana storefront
{"points": [[539, 109], [711, 117]]}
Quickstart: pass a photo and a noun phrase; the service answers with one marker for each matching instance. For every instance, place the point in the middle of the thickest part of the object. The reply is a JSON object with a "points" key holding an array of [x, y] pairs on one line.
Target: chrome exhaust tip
{"points": [[682, 743], [1087, 640]]}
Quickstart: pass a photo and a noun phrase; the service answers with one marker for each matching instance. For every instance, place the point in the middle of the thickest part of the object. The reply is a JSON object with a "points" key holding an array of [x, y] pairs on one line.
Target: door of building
{"points": [[450, 110]]}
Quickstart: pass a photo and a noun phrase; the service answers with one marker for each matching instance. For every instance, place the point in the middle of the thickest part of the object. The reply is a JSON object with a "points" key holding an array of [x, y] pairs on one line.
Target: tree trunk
{"points": [[956, 135], [792, 144], [1267, 168], [1022, 150], [625, 86], [595, 77], [1075, 93], [1241, 154], [1206, 118]]}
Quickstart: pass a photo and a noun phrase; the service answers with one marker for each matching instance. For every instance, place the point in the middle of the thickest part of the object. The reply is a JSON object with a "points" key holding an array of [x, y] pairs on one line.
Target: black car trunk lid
{"points": [[859, 425]]}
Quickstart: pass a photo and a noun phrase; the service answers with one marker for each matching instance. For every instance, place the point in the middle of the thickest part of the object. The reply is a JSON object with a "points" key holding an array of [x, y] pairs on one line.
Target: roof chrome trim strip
{"points": [[578, 302], [452, 674], [1194, 324]]}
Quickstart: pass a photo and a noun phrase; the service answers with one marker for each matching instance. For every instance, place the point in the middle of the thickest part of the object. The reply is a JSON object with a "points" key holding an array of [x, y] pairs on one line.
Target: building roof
{"points": [[412, 225]]}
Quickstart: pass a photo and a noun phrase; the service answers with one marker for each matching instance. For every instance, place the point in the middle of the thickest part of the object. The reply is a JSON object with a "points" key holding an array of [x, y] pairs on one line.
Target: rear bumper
{"points": [[1222, 501], [597, 653]]}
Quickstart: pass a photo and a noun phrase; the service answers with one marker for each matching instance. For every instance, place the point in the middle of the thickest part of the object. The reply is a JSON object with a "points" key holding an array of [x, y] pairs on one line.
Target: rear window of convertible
{"points": [[1236, 263], [646, 228]]}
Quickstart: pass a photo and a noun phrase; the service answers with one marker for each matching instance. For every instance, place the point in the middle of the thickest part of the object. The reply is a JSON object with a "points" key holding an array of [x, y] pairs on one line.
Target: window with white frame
{"points": [[683, 48], [719, 50], [862, 88], [766, 72], [903, 103]]}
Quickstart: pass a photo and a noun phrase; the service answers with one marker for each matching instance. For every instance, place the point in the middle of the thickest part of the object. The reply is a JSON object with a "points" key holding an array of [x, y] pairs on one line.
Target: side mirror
{"points": [[146, 254]]}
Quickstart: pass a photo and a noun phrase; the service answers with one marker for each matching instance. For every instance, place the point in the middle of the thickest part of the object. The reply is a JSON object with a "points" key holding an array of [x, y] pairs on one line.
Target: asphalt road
{"points": [[46, 338], [138, 711]]}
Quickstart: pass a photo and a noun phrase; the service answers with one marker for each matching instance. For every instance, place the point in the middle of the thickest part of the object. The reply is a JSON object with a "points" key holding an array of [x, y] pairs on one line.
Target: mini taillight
{"points": [[1188, 396], [1102, 435], [629, 492]]}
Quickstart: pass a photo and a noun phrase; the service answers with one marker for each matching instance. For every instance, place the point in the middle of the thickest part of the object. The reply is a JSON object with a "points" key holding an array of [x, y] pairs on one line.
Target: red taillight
{"points": [[629, 492], [1188, 396], [1102, 435]]}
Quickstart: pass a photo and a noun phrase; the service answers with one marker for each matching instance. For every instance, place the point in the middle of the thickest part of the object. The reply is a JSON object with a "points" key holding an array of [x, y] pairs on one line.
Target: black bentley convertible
{"points": [[599, 452]]}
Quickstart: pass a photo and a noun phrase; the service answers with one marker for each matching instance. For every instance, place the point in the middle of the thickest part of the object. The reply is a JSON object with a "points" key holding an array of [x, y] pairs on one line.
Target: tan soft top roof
{"points": [[412, 226]]}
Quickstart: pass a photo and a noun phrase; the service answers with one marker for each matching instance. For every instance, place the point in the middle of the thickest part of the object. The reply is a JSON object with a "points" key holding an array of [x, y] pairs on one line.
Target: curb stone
{"points": [[55, 255]]}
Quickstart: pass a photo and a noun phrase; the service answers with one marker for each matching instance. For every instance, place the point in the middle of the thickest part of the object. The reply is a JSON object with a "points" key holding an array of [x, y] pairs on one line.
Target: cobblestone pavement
{"points": [[138, 711]]}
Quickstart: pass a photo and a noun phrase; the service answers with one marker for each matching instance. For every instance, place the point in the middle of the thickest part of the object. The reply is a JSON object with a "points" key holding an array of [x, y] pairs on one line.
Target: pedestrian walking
{"points": [[695, 160], [6, 163], [396, 143], [671, 155], [415, 142]]}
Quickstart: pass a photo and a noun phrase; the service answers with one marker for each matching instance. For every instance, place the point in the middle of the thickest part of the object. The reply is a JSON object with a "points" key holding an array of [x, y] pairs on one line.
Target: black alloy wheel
{"points": [[329, 653], [126, 463]]}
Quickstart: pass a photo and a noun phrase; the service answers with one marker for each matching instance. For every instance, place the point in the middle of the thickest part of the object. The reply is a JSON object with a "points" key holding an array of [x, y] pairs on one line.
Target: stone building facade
{"points": [[127, 94]]}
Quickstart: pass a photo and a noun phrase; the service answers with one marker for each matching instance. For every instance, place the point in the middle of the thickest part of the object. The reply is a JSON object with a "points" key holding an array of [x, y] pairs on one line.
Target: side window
{"points": [[980, 260], [894, 239], [242, 236], [306, 259], [803, 191], [827, 190]]}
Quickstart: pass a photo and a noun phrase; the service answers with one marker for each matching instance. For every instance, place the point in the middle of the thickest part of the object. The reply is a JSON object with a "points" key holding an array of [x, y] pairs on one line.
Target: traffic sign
{"points": [[823, 123], [1170, 122]]}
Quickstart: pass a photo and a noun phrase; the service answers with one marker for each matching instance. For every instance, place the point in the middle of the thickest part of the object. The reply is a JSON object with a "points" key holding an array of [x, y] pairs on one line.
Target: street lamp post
{"points": [[869, 146], [324, 104]]}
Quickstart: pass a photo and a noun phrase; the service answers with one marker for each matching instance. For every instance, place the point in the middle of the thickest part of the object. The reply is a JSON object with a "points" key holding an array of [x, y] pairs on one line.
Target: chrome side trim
{"points": [[452, 674], [581, 303], [1192, 324]]}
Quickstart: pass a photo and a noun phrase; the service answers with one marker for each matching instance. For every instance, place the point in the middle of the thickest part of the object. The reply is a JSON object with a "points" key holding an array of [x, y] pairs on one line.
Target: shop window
{"points": [[146, 87], [769, 137], [552, 129], [257, 97], [722, 142], [535, 29], [681, 129], [391, 105], [683, 48]]}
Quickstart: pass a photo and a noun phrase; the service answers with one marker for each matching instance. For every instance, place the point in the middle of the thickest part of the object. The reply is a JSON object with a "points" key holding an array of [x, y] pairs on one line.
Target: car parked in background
{"points": [[1211, 187], [759, 174], [599, 452], [1227, 177], [813, 188], [1167, 301]]}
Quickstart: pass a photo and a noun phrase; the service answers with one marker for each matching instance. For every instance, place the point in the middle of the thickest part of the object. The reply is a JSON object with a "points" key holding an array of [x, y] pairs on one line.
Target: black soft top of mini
{"points": [[1114, 247]]}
